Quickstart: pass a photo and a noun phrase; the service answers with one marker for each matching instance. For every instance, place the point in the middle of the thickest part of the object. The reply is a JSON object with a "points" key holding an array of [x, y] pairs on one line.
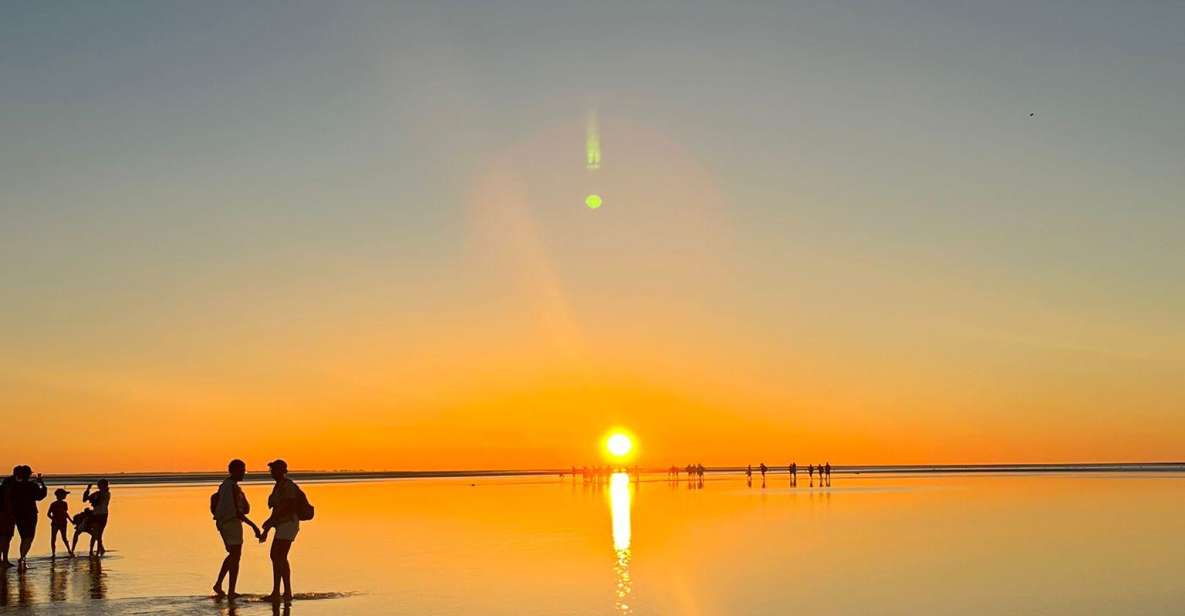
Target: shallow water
{"points": [[999, 544]]}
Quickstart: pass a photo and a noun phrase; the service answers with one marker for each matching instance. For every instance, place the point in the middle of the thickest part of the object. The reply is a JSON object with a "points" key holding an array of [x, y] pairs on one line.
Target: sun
{"points": [[619, 445]]}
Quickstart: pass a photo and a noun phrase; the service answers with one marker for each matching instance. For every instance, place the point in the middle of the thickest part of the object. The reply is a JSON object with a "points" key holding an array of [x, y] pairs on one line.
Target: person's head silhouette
{"points": [[279, 469], [237, 469]]}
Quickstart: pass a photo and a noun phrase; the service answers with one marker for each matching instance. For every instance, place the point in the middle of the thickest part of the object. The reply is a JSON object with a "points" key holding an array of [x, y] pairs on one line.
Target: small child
{"points": [[81, 525], [59, 516]]}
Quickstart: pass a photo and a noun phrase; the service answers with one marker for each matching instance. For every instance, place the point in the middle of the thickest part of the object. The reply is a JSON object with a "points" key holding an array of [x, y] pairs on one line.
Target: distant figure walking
{"points": [[96, 519], [763, 468], [793, 470], [59, 517], [289, 505], [749, 475], [22, 496], [828, 470], [229, 507], [810, 471]]}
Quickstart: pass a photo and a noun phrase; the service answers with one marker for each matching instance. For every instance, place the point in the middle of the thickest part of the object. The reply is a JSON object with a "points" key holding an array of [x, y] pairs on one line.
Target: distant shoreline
{"points": [[201, 477]]}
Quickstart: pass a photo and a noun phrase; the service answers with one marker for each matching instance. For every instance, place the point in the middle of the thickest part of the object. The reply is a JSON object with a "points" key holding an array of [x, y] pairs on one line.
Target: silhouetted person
{"points": [[763, 468], [59, 517], [749, 475], [828, 470], [22, 497], [7, 523], [285, 500], [230, 511], [810, 471], [96, 522]]}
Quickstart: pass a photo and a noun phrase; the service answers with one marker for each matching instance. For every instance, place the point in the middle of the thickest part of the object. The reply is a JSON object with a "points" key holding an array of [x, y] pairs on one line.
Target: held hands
{"points": [[262, 536]]}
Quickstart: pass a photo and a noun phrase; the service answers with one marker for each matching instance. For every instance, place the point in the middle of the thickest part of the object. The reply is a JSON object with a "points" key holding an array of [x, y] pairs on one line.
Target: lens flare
{"points": [[592, 143], [593, 201]]}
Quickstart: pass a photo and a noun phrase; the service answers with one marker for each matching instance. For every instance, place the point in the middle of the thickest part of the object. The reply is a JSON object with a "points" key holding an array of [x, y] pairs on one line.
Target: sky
{"points": [[354, 235]]}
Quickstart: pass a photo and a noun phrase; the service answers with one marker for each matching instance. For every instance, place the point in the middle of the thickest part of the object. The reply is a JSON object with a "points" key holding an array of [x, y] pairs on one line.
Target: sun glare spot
{"points": [[619, 445]]}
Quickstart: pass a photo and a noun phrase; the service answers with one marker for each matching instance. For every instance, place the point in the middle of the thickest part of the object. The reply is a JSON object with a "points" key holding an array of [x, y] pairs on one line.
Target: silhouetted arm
{"points": [[241, 514]]}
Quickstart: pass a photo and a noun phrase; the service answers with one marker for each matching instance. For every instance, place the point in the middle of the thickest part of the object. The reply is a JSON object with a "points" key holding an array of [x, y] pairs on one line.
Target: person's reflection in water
{"points": [[281, 609], [98, 579], [620, 503], [24, 591], [58, 576]]}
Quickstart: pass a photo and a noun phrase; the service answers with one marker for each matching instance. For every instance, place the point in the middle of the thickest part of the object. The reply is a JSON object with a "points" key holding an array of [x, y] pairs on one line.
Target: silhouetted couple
{"points": [[229, 507]]}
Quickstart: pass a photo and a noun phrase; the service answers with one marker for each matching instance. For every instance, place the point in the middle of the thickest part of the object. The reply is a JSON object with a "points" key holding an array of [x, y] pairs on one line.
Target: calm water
{"points": [[1009, 544]]}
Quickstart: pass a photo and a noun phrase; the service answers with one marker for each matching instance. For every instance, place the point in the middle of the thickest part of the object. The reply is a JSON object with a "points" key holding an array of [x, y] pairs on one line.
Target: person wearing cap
{"points": [[284, 502], [230, 513], [59, 517]]}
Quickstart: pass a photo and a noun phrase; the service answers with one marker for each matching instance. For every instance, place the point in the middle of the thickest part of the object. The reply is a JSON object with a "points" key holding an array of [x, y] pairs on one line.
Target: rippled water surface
{"points": [[1002, 544]]}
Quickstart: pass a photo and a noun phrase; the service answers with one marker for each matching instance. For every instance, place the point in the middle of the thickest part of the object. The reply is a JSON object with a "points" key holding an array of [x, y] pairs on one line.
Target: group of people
{"points": [[230, 508], [19, 495], [822, 470], [692, 470]]}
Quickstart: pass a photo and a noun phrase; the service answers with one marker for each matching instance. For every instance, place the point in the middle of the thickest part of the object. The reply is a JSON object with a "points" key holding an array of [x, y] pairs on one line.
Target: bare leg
{"points": [[26, 543], [230, 565], [281, 571]]}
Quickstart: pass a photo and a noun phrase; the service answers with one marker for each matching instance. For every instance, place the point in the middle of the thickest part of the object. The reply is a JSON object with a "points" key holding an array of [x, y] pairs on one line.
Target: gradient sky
{"points": [[353, 234]]}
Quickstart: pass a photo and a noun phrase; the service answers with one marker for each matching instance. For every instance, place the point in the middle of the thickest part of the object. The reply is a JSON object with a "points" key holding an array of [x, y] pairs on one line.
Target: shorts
{"points": [[96, 523], [26, 525], [286, 531], [231, 531], [56, 527]]}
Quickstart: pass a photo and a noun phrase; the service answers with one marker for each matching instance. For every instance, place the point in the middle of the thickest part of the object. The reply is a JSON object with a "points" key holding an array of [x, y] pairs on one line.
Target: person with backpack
{"points": [[289, 506], [229, 507]]}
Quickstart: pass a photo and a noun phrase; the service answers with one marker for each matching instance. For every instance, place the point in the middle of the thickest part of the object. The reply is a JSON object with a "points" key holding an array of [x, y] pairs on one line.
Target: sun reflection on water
{"points": [[619, 510]]}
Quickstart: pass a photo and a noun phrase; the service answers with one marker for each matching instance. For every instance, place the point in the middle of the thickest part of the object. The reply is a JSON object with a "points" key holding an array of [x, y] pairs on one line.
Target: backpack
{"points": [[304, 509], [214, 504]]}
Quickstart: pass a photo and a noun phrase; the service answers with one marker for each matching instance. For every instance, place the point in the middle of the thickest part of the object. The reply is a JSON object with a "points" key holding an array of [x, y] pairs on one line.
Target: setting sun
{"points": [[619, 445]]}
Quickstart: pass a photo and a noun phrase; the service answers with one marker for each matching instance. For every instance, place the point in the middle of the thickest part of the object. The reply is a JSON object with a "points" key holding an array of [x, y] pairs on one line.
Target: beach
{"points": [[889, 543]]}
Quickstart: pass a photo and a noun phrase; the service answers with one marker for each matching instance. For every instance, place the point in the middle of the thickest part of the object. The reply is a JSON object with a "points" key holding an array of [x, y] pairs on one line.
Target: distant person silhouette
{"points": [[96, 520], [287, 503], [229, 507], [59, 518], [810, 471], [22, 497], [763, 468], [749, 474], [7, 523], [828, 470]]}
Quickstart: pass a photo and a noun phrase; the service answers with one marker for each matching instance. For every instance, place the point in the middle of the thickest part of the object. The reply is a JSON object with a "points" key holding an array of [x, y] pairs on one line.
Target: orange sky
{"points": [[366, 246], [556, 323]]}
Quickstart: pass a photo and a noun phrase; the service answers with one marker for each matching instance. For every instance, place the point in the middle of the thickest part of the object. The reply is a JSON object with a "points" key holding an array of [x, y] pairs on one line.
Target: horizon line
{"points": [[138, 477]]}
